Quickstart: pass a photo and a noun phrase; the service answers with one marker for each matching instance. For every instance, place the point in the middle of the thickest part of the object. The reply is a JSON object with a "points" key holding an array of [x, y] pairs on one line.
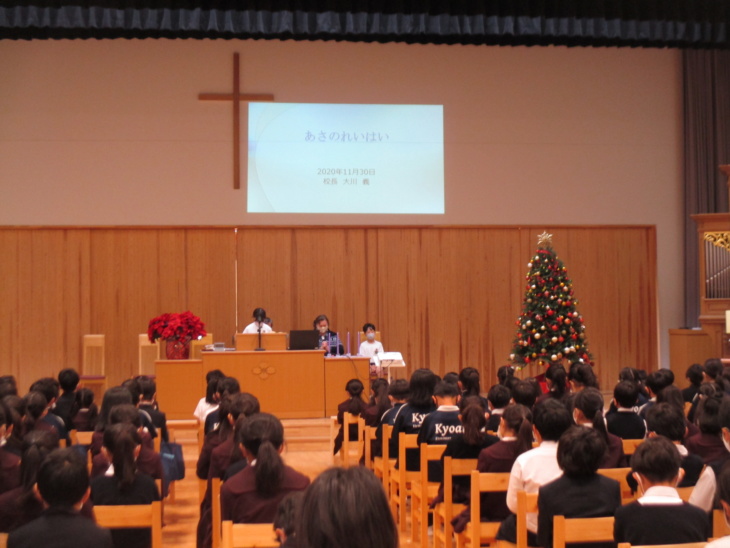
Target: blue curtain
{"points": [[635, 23]]}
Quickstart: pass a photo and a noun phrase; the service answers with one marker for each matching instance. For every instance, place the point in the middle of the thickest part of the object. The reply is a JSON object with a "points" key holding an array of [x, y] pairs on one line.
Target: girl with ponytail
{"points": [[557, 381], [515, 437], [122, 444], [253, 494], [588, 411], [354, 404]]}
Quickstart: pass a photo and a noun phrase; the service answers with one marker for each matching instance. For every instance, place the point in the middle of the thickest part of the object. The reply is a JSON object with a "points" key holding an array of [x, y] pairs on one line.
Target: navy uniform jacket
{"points": [[60, 527], [409, 420]]}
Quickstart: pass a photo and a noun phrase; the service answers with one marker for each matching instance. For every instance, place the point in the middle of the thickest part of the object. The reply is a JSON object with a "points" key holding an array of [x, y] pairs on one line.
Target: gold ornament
{"points": [[544, 239]]}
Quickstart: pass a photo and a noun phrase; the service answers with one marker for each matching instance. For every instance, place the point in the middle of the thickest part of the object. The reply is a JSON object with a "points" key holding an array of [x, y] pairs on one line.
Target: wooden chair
{"points": [[3, 540], [620, 475], [382, 466], [446, 510], [215, 506], [478, 532], [526, 504], [369, 437], [93, 365], [401, 480], [147, 353], [684, 545], [719, 525], [132, 515], [348, 445], [685, 492], [581, 530], [631, 445], [334, 428], [423, 492], [249, 535]]}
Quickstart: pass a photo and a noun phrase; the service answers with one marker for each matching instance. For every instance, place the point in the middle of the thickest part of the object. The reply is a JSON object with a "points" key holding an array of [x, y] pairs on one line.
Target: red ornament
{"points": [[550, 312]]}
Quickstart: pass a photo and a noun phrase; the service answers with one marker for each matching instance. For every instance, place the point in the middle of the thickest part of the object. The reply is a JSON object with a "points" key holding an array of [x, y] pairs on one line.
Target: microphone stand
{"points": [[259, 349]]}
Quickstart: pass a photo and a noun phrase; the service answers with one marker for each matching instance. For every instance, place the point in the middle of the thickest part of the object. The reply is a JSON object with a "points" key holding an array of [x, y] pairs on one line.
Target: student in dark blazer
{"points": [[588, 412], [580, 492], [63, 483], [622, 419]]}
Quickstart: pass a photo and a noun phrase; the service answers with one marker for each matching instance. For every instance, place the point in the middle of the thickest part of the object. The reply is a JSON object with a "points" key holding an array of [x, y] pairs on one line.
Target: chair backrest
{"points": [[249, 535], [581, 530], [631, 445], [487, 482], [685, 492], [347, 445], [526, 504], [215, 510], [147, 353], [132, 515], [720, 527], [620, 475], [684, 545], [93, 356], [454, 468], [385, 442], [405, 441], [429, 453], [369, 436], [3, 540]]}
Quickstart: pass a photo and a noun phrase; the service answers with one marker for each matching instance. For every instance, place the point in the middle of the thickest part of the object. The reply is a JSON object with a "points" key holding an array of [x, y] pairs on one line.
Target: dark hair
{"points": [[259, 313], [68, 379], [504, 374], [657, 459], [580, 451], [708, 414], [8, 386], [673, 396], [469, 379], [380, 399], [114, 396], [552, 418], [84, 399], [666, 420], [286, 513], [723, 483], [121, 440], [48, 386], [446, 390], [421, 387], [36, 446], [147, 386], [518, 419], [346, 507], [499, 396], [583, 374], [590, 402], [133, 386], [629, 374], [713, 368], [474, 421], [558, 378], [319, 319], [724, 413], [694, 374], [523, 392], [63, 478], [451, 378], [399, 389], [262, 435], [626, 394], [659, 380], [228, 386], [125, 413], [214, 374], [365, 327], [357, 404], [35, 405], [242, 404]]}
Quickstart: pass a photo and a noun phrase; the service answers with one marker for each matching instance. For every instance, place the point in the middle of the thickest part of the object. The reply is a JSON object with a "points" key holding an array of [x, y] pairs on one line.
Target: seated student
{"points": [[369, 347], [723, 489], [515, 437], [148, 404], [114, 396], [588, 411], [124, 484], [703, 495], [451, 377], [659, 516], [673, 396], [68, 379], [9, 462], [556, 379], [8, 386], [285, 522], [147, 461], [398, 392], [410, 417], [227, 386], [36, 408], [498, 399], [694, 376], [536, 467], [63, 484], [49, 387], [441, 425], [354, 404], [209, 402], [258, 323], [135, 389], [523, 393], [346, 507], [85, 411], [580, 492], [379, 402], [469, 384], [14, 415], [666, 420], [708, 444], [655, 383], [253, 494], [624, 421]]}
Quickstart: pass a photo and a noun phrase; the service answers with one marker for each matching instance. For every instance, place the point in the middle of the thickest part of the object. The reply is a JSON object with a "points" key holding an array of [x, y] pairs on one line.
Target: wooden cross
{"points": [[236, 97]]}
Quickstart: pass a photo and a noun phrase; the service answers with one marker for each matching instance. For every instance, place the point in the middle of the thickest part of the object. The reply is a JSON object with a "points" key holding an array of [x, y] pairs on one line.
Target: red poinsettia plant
{"points": [[177, 326]]}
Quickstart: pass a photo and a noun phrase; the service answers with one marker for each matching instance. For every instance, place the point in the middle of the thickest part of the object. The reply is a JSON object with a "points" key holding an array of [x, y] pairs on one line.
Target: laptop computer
{"points": [[303, 339]]}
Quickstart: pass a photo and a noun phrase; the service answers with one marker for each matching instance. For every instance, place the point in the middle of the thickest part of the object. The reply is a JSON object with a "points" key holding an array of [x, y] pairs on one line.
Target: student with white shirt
{"points": [[660, 516], [369, 347], [723, 486], [259, 322]]}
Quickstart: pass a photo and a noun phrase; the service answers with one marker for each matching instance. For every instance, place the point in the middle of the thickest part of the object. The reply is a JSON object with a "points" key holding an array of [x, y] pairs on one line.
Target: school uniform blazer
{"points": [[409, 420], [627, 425], [9, 471], [707, 446], [241, 503], [221, 458], [588, 497], [159, 419], [212, 440], [661, 524], [614, 457], [16, 509], [148, 463], [60, 528]]}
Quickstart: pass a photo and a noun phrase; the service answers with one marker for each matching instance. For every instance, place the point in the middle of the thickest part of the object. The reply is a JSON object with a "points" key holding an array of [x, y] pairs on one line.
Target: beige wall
{"points": [[112, 133]]}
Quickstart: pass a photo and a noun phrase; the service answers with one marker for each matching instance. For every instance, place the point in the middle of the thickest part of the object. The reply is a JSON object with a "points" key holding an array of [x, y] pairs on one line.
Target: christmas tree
{"points": [[550, 329]]}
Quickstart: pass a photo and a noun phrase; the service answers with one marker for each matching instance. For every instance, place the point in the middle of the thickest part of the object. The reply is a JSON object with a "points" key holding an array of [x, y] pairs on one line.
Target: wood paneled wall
{"points": [[447, 297]]}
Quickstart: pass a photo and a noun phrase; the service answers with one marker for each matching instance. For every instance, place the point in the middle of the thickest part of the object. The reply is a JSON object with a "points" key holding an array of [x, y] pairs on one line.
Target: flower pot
{"points": [[176, 349]]}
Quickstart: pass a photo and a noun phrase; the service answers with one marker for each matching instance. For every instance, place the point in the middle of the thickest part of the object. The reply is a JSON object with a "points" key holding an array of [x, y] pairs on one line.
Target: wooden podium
{"points": [[269, 341], [293, 384]]}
